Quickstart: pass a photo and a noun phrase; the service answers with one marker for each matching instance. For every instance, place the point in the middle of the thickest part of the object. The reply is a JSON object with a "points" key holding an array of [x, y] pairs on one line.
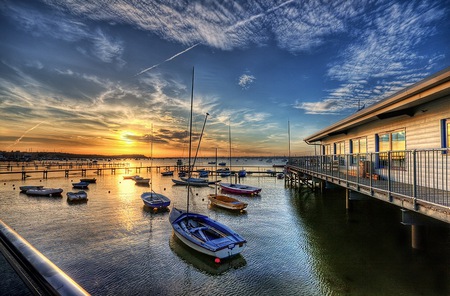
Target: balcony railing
{"points": [[416, 174]]}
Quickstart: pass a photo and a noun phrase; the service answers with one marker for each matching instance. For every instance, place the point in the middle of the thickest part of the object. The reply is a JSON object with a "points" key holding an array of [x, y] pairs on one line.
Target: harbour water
{"points": [[298, 242]]}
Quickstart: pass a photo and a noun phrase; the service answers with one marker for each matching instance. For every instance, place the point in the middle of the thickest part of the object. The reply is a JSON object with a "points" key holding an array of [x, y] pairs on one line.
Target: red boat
{"points": [[240, 188]]}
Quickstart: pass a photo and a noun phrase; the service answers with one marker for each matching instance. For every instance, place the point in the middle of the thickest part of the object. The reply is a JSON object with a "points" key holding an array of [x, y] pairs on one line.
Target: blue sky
{"points": [[100, 77]]}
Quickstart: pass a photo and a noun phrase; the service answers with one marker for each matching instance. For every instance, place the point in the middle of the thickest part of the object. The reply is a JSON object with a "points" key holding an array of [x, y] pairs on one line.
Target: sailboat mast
{"points": [[151, 161], [229, 140], [190, 139]]}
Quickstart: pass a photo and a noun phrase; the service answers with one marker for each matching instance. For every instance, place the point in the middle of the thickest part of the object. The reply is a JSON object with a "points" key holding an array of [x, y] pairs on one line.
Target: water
{"points": [[299, 242]]}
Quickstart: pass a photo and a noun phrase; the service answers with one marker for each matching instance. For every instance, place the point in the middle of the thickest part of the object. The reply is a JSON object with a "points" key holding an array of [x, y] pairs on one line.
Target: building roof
{"points": [[404, 102]]}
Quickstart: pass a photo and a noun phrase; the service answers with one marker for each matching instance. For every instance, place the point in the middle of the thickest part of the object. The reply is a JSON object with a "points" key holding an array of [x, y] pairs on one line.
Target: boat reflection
{"points": [[203, 262], [155, 210]]}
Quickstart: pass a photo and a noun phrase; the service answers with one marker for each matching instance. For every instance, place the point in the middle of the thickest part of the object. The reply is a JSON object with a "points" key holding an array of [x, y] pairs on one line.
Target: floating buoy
{"points": [[217, 260], [109, 191]]}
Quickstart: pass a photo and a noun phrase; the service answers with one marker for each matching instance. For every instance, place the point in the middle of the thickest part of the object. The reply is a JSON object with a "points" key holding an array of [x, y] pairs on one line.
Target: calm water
{"points": [[299, 243]]}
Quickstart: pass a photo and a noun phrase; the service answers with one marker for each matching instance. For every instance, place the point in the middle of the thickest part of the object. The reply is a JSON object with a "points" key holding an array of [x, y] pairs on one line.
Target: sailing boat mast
{"points": [[151, 162], [229, 140], [190, 141]]}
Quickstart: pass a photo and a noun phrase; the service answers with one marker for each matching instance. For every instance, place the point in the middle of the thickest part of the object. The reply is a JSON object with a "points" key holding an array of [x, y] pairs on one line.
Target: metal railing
{"points": [[417, 174]]}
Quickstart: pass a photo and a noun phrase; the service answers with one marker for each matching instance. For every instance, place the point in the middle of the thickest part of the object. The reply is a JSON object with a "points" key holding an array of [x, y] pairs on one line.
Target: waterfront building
{"points": [[397, 150]]}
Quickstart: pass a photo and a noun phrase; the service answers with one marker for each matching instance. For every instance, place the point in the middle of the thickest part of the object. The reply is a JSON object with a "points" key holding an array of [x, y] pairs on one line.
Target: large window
{"points": [[358, 147], [395, 142]]}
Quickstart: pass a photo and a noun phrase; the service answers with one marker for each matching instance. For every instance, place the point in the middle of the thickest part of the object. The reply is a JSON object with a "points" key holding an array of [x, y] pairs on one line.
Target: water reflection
{"points": [[203, 262]]}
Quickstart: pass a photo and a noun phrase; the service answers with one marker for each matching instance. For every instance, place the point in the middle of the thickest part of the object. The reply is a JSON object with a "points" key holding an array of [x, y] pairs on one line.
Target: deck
{"points": [[415, 186]]}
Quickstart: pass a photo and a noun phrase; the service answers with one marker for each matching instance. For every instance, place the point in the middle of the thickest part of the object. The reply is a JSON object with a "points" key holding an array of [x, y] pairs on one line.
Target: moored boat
{"points": [[155, 200], [24, 189], [77, 196], [89, 180], [226, 202], [80, 185], [141, 180], [200, 232], [45, 191], [206, 235], [240, 188]]}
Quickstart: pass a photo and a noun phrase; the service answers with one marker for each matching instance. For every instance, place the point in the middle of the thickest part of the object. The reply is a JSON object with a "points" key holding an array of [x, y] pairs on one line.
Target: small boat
{"points": [[129, 177], [182, 174], [89, 180], [203, 174], [77, 196], [167, 173], [280, 176], [222, 163], [240, 188], [141, 180], [242, 173], [80, 185], [211, 162], [45, 191], [24, 189], [206, 235], [155, 200], [200, 232], [226, 202], [187, 181]]}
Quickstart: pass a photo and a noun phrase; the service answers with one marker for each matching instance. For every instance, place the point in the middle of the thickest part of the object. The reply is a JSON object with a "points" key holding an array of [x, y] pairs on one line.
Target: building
{"points": [[397, 150]]}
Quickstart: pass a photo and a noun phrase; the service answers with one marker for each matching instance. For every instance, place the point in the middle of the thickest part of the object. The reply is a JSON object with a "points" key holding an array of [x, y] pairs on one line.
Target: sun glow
{"points": [[127, 137]]}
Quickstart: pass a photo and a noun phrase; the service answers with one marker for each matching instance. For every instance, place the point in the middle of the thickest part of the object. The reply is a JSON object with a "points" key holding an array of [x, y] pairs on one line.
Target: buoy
{"points": [[217, 260], [109, 191]]}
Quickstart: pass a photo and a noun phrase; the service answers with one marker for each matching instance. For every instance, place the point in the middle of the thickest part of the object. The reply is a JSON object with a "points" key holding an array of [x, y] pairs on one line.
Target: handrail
{"points": [[420, 174], [46, 274]]}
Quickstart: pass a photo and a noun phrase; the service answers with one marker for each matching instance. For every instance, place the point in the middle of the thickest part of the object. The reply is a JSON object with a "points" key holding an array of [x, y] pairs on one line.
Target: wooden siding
{"points": [[423, 130]]}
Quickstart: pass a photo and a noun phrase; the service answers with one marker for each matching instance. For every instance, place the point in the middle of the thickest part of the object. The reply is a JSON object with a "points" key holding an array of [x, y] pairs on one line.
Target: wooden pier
{"points": [[27, 171]]}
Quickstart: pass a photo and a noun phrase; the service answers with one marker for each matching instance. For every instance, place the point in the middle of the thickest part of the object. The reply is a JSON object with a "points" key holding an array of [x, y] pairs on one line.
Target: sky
{"points": [[115, 77]]}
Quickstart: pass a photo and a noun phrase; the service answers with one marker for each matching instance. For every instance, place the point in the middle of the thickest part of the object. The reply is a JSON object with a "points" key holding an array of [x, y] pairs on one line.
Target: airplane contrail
{"points": [[26, 132], [169, 59], [254, 17]]}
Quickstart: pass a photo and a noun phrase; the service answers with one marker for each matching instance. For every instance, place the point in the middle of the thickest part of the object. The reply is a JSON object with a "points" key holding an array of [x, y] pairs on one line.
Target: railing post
{"points": [[389, 175], [414, 179]]}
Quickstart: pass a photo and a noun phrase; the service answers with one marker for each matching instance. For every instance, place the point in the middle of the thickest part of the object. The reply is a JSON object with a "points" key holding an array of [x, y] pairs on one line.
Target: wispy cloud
{"points": [[379, 61], [245, 80]]}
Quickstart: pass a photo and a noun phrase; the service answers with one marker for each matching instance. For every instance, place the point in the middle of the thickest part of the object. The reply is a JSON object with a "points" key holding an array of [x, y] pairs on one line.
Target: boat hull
{"points": [[155, 200], [77, 196], [206, 235], [45, 192], [227, 202], [240, 188]]}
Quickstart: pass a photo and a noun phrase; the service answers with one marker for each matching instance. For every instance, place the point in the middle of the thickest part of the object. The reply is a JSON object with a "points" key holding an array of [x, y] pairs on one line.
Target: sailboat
{"points": [[199, 232], [198, 182], [238, 188], [225, 201], [152, 199]]}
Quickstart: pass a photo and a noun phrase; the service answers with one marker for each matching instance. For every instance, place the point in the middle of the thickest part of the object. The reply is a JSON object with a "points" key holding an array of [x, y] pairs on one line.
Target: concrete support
{"points": [[417, 236], [348, 202]]}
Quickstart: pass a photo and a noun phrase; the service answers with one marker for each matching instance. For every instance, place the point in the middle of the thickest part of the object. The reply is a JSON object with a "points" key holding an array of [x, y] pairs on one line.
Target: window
{"points": [[359, 148], [327, 149], [340, 148], [445, 134], [395, 142]]}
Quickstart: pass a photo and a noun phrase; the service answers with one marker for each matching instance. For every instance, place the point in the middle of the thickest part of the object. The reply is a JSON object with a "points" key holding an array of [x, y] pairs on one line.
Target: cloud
{"points": [[328, 106], [245, 80]]}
